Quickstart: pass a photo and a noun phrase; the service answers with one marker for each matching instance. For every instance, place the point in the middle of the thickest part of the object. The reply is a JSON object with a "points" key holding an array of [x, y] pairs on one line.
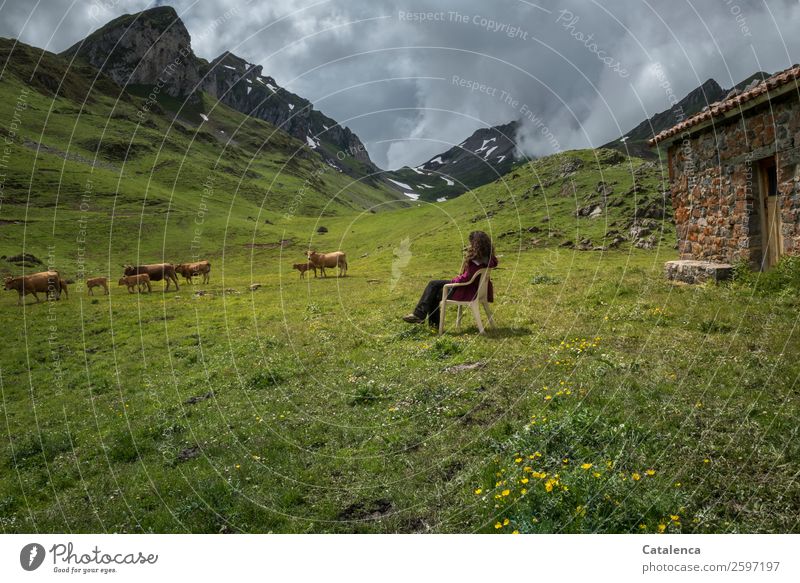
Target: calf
{"points": [[97, 282], [46, 282], [303, 267], [132, 281]]}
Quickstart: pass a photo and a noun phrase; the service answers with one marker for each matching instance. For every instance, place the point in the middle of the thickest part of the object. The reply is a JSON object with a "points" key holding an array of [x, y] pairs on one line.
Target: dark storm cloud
{"points": [[413, 78]]}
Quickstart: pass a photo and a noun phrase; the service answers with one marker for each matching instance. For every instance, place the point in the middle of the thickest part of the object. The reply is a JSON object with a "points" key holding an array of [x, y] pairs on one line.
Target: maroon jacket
{"points": [[467, 293]]}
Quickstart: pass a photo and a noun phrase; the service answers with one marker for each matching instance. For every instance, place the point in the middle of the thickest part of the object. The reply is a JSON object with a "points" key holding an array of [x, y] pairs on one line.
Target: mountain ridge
{"points": [[153, 47], [484, 156]]}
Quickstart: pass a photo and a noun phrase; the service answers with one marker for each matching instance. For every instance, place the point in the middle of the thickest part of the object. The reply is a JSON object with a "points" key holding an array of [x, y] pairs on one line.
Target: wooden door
{"points": [[770, 209]]}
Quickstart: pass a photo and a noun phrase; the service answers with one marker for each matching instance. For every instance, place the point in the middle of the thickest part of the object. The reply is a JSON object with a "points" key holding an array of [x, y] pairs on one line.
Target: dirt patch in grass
{"points": [[372, 510]]}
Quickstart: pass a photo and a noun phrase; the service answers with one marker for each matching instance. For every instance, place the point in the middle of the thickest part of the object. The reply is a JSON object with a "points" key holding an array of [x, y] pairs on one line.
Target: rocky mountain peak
{"points": [[484, 156], [147, 48]]}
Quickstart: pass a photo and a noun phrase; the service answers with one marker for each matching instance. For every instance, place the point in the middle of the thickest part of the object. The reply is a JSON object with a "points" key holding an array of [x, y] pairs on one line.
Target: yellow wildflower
{"points": [[478, 490], [498, 525], [505, 522], [586, 466], [506, 492], [650, 472], [636, 477], [662, 527]]}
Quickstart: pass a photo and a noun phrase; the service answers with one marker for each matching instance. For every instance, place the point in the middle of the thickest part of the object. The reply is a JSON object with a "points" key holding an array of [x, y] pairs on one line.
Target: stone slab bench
{"points": [[694, 271]]}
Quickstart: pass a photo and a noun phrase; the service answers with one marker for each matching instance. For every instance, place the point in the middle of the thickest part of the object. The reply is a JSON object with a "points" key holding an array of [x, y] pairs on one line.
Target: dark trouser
{"points": [[428, 306]]}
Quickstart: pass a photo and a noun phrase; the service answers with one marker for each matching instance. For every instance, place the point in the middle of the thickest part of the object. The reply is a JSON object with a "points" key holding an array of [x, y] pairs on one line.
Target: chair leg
{"points": [[476, 311], [442, 308], [458, 318], [489, 315]]}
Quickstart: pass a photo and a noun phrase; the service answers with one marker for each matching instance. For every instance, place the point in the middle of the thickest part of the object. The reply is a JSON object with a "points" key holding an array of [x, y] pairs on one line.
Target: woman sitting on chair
{"points": [[480, 254]]}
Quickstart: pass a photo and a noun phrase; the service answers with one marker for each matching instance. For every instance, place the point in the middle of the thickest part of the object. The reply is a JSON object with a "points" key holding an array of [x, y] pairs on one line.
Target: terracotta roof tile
{"points": [[720, 107]]}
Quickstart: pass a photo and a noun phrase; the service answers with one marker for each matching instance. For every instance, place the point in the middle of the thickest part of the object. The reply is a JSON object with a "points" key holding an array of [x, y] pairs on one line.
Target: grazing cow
{"points": [[46, 282], [156, 272], [132, 281], [97, 282], [323, 260], [303, 267], [189, 270]]}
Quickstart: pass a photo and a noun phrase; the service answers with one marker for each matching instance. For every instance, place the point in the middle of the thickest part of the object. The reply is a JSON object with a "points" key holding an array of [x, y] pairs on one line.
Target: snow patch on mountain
{"points": [[484, 144], [400, 184]]}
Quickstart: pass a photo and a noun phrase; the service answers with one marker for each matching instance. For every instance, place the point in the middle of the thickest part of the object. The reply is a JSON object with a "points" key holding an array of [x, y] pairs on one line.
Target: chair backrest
{"points": [[483, 284]]}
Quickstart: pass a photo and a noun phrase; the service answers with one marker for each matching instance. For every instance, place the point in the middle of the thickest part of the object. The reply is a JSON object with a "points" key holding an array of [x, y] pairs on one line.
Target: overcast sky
{"points": [[578, 73]]}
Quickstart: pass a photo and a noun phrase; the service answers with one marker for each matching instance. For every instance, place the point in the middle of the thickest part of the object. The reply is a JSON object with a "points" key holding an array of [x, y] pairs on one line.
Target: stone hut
{"points": [[734, 172]]}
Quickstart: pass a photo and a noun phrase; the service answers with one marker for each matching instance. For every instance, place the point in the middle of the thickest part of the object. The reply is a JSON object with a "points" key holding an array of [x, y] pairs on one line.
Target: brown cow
{"points": [[323, 260], [156, 272], [189, 270], [64, 289], [47, 282], [132, 281], [303, 267], [97, 282]]}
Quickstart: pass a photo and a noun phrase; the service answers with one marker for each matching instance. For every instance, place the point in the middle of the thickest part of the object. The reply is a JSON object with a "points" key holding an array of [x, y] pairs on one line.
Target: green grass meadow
{"points": [[606, 400]]}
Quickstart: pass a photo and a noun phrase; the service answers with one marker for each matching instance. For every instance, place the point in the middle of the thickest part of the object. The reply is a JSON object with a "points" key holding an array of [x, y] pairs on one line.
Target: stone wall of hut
{"points": [[715, 183]]}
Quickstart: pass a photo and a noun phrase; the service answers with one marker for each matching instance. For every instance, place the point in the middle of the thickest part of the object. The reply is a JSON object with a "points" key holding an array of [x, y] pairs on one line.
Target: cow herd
{"points": [[139, 277], [52, 284]]}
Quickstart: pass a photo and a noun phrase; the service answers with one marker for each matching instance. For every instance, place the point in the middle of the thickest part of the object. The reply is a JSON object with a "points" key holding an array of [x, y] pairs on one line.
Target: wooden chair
{"points": [[481, 299]]}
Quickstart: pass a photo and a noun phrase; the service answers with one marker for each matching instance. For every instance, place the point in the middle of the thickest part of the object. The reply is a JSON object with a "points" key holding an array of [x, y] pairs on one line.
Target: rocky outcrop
{"points": [[143, 49]]}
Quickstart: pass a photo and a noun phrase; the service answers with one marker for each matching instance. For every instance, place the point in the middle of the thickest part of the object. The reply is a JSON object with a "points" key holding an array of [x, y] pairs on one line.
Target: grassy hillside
{"points": [[154, 171], [606, 401]]}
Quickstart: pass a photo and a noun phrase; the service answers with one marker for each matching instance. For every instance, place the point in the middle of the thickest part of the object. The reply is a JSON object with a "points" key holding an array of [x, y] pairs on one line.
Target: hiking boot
{"points": [[413, 319]]}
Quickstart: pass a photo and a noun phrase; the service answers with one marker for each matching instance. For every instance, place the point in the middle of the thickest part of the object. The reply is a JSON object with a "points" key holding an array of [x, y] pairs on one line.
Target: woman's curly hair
{"points": [[480, 249]]}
